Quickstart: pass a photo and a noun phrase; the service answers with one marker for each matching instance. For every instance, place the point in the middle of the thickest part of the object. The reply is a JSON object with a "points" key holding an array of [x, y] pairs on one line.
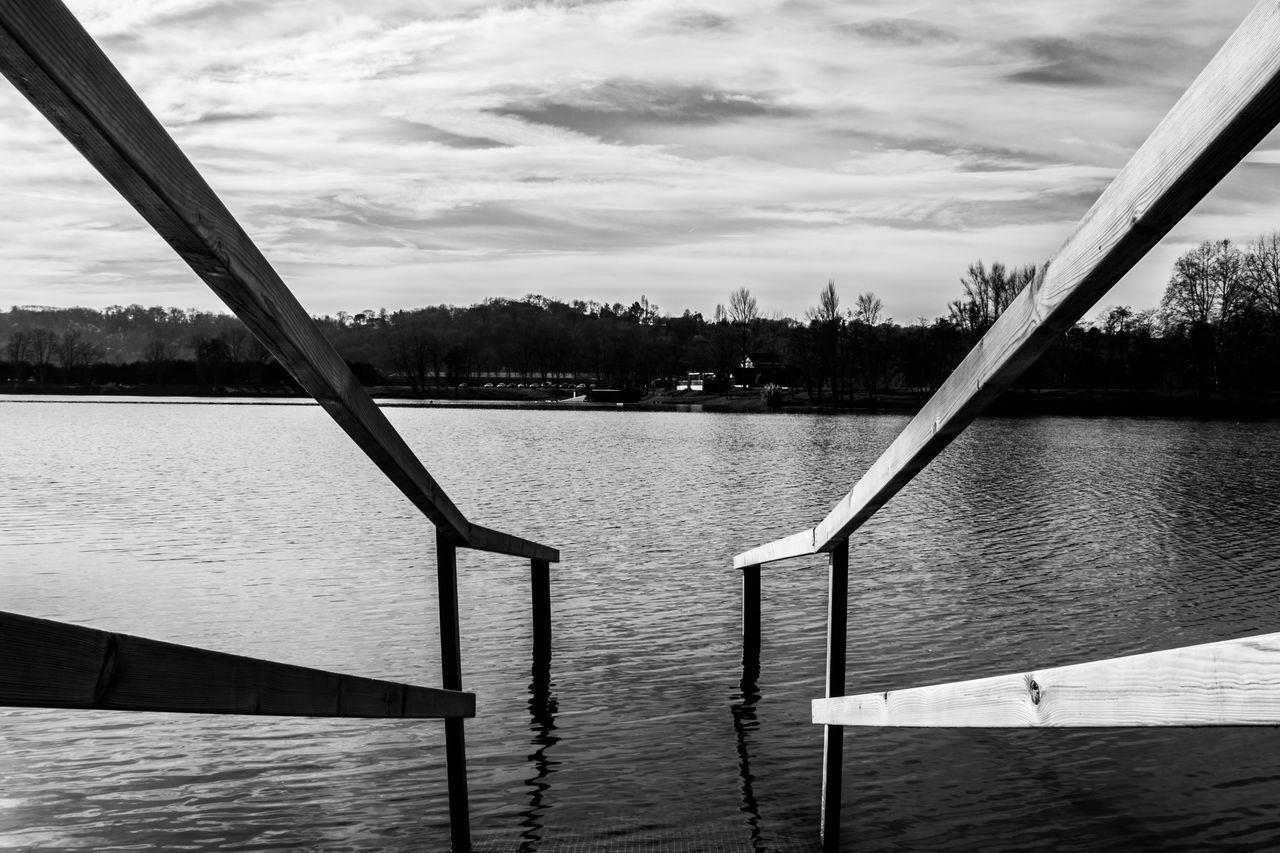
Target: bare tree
{"points": [[75, 352], [17, 351], [868, 309], [828, 309], [1262, 267], [158, 353], [1208, 285], [42, 342], [826, 324], [1207, 291], [416, 353], [987, 292], [18, 347], [866, 345], [743, 309], [744, 315]]}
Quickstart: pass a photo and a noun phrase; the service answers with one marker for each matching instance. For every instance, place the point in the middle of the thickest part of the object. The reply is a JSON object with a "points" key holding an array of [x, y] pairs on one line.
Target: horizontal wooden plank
{"points": [[1229, 108], [1229, 683], [50, 58], [796, 545], [484, 539], [45, 664]]}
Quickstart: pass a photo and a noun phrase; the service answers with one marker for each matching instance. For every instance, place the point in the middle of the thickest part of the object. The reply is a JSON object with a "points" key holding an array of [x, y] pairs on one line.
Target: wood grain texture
{"points": [[796, 545], [1229, 683], [1229, 108], [49, 57], [45, 664]]}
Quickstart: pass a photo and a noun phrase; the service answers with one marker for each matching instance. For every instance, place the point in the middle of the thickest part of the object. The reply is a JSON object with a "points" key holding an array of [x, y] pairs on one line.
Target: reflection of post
{"points": [[455, 747], [540, 586], [751, 610], [744, 720], [542, 714], [833, 736]]}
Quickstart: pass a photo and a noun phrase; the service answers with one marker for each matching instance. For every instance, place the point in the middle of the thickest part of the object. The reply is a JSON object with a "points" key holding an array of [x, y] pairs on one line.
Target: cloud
{"points": [[222, 116], [703, 20], [1090, 60], [410, 132], [449, 151], [609, 110], [1060, 61], [204, 13], [899, 31]]}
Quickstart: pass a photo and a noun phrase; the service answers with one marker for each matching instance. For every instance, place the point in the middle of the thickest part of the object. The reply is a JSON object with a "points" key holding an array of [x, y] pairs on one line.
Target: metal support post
{"points": [[455, 746], [751, 610], [540, 586], [833, 736]]}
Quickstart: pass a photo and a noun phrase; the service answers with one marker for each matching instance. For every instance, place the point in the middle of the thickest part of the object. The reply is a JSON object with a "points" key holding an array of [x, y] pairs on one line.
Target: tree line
{"points": [[1214, 333]]}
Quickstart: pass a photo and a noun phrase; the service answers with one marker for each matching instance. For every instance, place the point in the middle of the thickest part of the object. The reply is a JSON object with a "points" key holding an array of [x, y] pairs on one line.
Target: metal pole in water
{"points": [[540, 584], [751, 609], [455, 747], [833, 736]]}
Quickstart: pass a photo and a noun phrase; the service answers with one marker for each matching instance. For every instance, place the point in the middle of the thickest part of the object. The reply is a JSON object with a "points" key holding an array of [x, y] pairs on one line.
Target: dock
{"points": [[1226, 112]]}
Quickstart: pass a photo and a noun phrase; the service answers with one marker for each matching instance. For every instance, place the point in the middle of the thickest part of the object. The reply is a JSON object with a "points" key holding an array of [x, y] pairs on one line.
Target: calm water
{"points": [[261, 530]]}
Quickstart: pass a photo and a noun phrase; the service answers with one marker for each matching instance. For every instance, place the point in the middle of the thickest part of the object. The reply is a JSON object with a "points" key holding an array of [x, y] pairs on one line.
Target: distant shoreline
{"points": [[1013, 403], [1018, 403]]}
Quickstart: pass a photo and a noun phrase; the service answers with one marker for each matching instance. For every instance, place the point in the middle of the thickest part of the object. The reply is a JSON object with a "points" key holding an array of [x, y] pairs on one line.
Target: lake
{"points": [[261, 530]]}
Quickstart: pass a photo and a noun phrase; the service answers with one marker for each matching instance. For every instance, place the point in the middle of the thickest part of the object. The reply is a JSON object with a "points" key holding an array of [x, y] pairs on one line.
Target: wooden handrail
{"points": [[46, 664], [1229, 108], [48, 56], [484, 539], [1228, 683]]}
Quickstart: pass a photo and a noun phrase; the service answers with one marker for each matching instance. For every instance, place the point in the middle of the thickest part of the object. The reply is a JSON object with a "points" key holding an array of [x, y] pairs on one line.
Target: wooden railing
{"points": [[1231, 683], [1226, 111], [45, 664], [50, 58]]}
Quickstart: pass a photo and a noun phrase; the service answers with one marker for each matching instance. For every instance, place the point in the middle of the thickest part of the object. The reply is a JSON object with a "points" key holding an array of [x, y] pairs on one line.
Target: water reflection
{"points": [[542, 713], [745, 724]]}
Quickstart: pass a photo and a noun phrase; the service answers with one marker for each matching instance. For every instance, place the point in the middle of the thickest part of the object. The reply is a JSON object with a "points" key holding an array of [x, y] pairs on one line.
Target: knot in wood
{"points": [[107, 671], [1035, 692]]}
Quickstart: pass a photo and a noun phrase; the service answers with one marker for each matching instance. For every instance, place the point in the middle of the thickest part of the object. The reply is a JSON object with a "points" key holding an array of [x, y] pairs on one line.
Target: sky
{"points": [[400, 154]]}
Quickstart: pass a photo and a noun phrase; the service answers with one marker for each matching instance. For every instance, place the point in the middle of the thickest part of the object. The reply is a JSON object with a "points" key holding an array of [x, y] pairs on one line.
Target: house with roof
{"points": [[758, 368]]}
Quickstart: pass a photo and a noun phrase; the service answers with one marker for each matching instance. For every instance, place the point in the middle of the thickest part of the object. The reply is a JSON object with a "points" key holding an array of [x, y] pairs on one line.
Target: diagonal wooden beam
{"points": [[46, 664], [1229, 108], [50, 58], [1229, 683]]}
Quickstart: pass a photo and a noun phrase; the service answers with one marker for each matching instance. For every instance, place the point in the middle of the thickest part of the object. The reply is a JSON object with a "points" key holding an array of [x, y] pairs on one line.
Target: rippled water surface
{"points": [[261, 530]]}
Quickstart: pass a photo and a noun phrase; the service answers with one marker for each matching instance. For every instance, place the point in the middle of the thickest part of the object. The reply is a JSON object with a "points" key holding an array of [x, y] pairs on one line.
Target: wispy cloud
{"points": [[1094, 59], [900, 31], [607, 110]]}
